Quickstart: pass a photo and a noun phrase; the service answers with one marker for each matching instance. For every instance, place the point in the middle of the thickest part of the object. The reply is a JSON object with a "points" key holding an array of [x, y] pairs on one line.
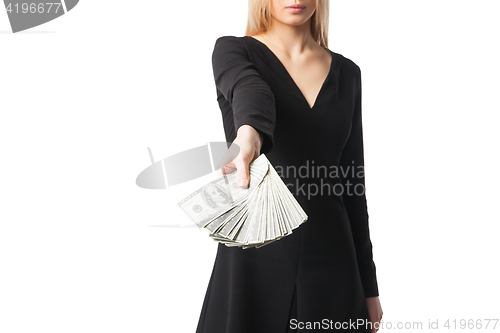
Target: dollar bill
{"points": [[264, 212]]}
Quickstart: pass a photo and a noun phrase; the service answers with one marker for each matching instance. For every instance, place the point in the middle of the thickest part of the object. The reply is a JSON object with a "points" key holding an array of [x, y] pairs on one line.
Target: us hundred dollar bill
{"points": [[219, 196], [264, 212]]}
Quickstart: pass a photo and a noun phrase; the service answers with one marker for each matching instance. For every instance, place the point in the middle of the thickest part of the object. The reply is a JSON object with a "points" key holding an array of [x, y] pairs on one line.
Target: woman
{"points": [[282, 92]]}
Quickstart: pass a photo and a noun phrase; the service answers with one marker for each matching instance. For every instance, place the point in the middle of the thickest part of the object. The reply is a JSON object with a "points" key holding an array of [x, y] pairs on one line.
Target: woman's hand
{"points": [[374, 312], [250, 142]]}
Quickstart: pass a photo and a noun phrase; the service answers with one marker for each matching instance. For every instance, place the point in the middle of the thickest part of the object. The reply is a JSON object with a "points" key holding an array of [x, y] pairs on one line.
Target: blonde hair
{"points": [[259, 19]]}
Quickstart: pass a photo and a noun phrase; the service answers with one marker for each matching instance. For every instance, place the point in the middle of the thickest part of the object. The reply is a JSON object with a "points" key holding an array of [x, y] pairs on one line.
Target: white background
{"points": [[83, 249]]}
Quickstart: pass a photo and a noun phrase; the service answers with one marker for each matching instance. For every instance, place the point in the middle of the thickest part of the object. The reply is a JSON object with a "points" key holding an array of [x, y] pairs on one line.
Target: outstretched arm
{"points": [[251, 100]]}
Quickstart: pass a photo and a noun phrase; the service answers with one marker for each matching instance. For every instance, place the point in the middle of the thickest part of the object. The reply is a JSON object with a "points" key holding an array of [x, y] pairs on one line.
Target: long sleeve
{"points": [[355, 199], [248, 94]]}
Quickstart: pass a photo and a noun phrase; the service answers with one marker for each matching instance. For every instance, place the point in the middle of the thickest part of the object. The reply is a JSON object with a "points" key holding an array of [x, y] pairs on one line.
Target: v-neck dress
{"points": [[318, 277]]}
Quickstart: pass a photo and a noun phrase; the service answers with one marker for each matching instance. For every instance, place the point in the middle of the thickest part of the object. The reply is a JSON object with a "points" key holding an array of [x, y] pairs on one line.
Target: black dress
{"points": [[319, 276]]}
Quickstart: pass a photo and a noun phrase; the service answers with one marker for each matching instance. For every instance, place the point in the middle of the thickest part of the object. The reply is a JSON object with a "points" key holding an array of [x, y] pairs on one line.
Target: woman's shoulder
{"points": [[230, 37], [232, 44], [230, 40], [347, 63], [240, 45]]}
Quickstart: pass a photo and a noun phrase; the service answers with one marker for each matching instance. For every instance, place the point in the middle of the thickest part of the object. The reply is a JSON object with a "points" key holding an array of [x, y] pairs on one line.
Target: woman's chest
{"points": [[327, 123]]}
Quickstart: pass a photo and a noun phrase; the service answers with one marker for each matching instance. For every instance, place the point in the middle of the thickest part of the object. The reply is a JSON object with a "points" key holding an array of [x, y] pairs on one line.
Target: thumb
{"points": [[243, 174]]}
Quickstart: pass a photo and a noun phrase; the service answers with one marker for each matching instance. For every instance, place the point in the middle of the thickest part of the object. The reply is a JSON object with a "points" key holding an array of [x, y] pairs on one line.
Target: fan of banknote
{"points": [[262, 213]]}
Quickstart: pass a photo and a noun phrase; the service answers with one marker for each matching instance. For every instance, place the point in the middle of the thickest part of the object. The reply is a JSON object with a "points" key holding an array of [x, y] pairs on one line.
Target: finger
{"points": [[230, 167], [243, 174]]}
